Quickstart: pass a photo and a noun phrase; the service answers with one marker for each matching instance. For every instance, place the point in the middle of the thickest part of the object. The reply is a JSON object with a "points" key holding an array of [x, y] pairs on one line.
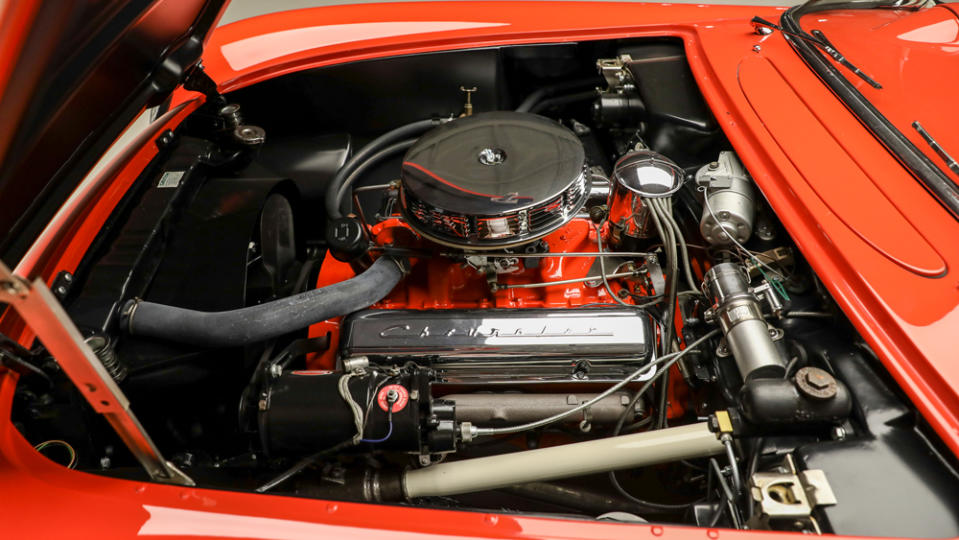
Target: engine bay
{"points": [[532, 279]]}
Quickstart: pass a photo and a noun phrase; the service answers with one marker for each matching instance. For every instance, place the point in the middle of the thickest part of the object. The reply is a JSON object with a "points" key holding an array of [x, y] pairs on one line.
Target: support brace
{"points": [[41, 311]]}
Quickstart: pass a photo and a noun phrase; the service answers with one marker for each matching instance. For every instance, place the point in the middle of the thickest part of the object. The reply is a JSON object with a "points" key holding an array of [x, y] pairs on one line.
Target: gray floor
{"points": [[243, 9]]}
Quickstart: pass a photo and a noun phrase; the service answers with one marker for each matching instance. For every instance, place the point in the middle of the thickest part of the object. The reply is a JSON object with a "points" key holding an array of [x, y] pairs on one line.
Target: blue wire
{"points": [[388, 433]]}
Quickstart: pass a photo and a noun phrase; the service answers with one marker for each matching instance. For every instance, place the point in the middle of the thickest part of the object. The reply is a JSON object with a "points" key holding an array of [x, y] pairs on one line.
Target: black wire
{"points": [[302, 464], [718, 512], [661, 410], [622, 420], [636, 425], [751, 470], [642, 502], [726, 491], [669, 321], [639, 393]]}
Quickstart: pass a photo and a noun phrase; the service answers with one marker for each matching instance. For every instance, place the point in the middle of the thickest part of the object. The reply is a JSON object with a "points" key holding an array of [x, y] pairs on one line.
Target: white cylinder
{"points": [[577, 459]]}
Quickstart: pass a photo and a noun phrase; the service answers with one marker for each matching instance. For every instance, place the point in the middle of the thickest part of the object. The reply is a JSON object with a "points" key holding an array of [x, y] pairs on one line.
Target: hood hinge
{"points": [[197, 80], [42, 312]]}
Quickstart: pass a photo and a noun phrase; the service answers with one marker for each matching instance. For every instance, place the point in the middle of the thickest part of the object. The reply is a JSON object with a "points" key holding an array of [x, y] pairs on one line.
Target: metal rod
{"points": [[668, 359], [43, 314], [512, 408], [564, 281], [622, 254], [566, 461], [377, 187]]}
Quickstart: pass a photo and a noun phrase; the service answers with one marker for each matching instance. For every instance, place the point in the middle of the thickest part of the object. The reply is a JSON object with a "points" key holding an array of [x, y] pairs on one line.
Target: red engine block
{"points": [[442, 283]]}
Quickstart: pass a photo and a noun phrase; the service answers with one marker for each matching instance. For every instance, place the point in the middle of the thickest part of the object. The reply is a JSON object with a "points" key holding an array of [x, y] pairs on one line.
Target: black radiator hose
{"points": [[257, 323], [333, 199]]}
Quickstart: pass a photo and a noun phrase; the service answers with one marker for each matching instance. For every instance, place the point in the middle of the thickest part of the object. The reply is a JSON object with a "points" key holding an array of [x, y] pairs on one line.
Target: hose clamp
{"points": [[127, 313]]}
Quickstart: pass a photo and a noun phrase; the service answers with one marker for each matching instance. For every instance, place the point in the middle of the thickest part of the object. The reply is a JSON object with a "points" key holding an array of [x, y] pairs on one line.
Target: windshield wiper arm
{"points": [[833, 52], [950, 162], [823, 43]]}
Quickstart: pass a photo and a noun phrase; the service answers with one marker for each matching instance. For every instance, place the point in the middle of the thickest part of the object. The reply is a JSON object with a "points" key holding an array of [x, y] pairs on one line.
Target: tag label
{"points": [[170, 179]]}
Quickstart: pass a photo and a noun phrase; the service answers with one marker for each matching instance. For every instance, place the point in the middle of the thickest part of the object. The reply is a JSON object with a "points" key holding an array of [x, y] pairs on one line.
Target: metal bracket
{"points": [[41, 311], [618, 77], [788, 497], [198, 80]]}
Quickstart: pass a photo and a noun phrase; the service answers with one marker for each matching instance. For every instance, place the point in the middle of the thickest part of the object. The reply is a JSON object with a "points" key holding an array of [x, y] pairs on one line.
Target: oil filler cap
{"points": [[346, 238], [816, 383]]}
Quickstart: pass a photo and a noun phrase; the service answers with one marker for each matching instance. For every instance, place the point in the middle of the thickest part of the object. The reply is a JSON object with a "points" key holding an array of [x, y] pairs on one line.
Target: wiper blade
{"points": [[834, 53], [950, 162], [821, 41]]}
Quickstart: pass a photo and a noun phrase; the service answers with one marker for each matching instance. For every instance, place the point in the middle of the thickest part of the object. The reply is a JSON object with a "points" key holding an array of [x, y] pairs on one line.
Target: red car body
{"points": [[880, 243]]}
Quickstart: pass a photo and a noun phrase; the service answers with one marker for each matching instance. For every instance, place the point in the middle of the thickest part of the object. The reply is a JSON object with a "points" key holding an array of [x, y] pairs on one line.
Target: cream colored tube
{"points": [[602, 455]]}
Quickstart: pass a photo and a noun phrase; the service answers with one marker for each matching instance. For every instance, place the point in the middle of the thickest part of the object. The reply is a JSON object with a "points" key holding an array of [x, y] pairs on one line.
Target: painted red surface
{"points": [[914, 56], [441, 283], [870, 231]]}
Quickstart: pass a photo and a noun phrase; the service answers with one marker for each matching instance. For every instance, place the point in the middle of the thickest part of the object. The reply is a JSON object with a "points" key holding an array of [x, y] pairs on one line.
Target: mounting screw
{"points": [[757, 48], [468, 106]]}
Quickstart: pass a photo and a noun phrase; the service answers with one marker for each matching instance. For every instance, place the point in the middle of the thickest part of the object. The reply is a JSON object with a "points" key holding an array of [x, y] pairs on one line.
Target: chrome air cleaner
{"points": [[493, 180]]}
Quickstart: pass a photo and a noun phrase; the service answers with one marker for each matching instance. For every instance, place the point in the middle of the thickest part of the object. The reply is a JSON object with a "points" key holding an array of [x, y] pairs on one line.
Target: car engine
{"points": [[544, 282]]}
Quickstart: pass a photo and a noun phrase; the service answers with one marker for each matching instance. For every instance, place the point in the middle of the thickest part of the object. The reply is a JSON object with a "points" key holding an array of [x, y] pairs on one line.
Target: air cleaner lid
{"points": [[494, 162]]}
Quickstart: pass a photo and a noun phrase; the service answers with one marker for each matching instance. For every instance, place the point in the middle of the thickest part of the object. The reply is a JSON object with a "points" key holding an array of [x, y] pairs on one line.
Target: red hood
{"points": [[72, 76], [914, 55]]}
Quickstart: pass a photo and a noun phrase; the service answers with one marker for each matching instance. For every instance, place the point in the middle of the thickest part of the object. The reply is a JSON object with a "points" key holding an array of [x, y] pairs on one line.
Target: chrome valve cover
{"points": [[498, 346]]}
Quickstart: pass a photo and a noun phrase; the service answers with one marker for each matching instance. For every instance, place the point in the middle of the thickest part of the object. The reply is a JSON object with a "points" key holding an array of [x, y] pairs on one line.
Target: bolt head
{"points": [[817, 380], [816, 383]]}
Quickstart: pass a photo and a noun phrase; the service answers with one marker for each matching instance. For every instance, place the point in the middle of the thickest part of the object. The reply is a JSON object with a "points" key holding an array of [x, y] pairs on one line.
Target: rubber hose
{"points": [[269, 320], [414, 129], [549, 91], [362, 168], [562, 100]]}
